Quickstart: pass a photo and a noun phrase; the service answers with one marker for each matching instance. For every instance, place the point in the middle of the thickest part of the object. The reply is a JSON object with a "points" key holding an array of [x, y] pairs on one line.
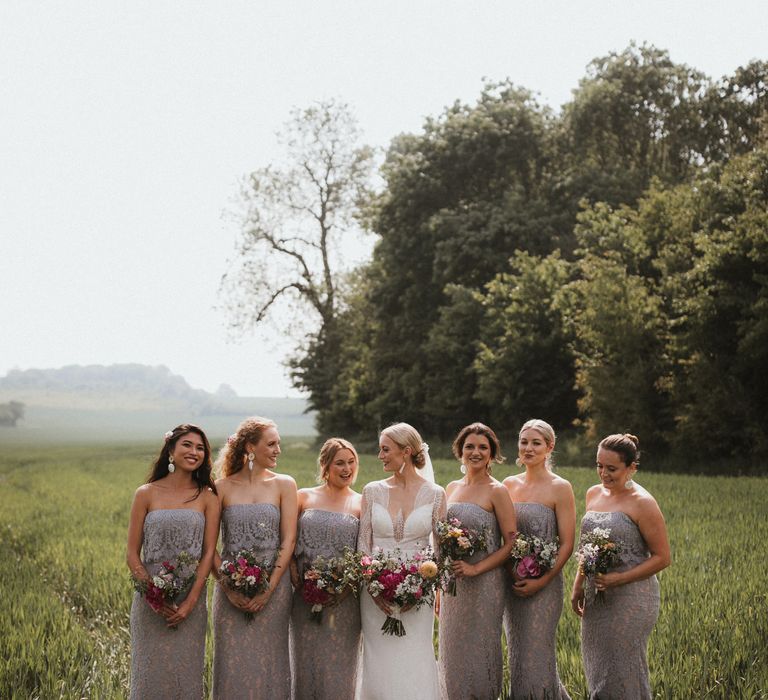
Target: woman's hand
{"points": [[437, 603], [235, 597], [462, 568], [259, 601], [526, 587], [382, 604], [609, 580], [294, 570], [577, 600], [181, 612]]}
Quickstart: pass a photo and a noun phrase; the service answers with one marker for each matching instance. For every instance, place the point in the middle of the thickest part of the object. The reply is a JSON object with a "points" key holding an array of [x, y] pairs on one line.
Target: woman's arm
{"points": [[654, 531], [565, 512], [365, 532], [288, 516], [505, 516], [139, 510], [210, 536]]}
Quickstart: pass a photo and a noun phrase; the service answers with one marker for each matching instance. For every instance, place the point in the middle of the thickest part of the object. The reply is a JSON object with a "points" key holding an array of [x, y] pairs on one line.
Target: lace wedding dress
{"points": [[398, 667]]}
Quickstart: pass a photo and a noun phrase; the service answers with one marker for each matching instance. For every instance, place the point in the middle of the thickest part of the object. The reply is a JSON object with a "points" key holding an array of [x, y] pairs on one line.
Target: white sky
{"points": [[126, 126]]}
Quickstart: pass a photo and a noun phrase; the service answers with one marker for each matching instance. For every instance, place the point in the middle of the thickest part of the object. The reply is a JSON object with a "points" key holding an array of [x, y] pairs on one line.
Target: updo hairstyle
{"points": [[478, 429], [232, 456], [404, 435], [626, 445], [328, 453], [546, 431]]}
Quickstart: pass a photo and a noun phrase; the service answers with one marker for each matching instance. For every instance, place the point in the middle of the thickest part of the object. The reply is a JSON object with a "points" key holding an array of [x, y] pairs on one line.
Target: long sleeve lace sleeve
{"points": [[365, 534], [439, 512]]}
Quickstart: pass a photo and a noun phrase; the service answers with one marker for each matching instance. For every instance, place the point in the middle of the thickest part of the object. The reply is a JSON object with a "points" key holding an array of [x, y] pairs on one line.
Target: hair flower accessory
{"points": [[425, 447], [168, 435], [231, 439]]}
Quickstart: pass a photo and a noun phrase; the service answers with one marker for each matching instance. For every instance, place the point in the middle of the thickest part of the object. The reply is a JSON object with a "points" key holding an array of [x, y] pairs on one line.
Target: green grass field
{"points": [[65, 593]]}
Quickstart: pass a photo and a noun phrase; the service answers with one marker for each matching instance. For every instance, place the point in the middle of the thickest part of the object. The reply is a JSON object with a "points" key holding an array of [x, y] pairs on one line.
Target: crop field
{"points": [[65, 593]]}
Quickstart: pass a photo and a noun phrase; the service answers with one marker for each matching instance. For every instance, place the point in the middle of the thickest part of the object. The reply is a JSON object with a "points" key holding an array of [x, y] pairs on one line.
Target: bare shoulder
{"points": [[209, 498], [645, 503], [451, 486], [143, 491], [512, 482], [592, 492], [561, 487], [285, 481]]}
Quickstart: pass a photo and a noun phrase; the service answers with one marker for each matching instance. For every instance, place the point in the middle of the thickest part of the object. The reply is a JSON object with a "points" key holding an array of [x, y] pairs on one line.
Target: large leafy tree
{"points": [[295, 220]]}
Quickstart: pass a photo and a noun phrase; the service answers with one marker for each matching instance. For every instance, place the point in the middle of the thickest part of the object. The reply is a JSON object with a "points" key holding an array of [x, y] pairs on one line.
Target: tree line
{"points": [[604, 267]]}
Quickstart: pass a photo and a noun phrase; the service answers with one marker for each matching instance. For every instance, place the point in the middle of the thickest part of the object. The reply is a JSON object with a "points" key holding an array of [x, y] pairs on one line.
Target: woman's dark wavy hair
{"points": [[478, 429], [201, 476]]}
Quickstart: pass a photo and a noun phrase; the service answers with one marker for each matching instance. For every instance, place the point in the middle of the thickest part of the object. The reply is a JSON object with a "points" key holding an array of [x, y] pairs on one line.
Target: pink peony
{"points": [[528, 567]]}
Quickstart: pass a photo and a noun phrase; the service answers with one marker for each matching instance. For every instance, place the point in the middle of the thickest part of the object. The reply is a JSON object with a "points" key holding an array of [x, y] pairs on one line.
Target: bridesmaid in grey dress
{"points": [[324, 656], [258, 512], [615, 631], [470, 662], [175, 511], [545, 507]]}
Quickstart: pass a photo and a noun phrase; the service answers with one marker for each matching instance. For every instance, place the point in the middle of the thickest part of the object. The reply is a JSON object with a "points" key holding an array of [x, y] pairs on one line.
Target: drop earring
{"points": [[402, 466], [250, 461], [463, 468], [171, 465]]}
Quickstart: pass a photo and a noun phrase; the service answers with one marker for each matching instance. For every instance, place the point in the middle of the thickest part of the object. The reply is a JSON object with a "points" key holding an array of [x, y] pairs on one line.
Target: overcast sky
{"points": [[125, 128]]}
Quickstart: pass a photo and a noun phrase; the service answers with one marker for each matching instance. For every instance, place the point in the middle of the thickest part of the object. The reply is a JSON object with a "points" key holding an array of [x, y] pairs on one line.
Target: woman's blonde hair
{"points": [[328, 453], [231, 457], [546, 431], [404, 435]]}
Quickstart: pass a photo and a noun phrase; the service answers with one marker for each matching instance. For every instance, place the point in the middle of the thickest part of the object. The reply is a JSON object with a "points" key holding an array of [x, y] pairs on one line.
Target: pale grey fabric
{"points": [[470, 661], [324, 656], [165, 662], [615, 632], [530, 624], [251, 658]]}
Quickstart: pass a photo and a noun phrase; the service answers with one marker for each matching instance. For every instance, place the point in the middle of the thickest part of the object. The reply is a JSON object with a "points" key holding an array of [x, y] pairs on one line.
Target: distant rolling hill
{"points": [[131, 402]]}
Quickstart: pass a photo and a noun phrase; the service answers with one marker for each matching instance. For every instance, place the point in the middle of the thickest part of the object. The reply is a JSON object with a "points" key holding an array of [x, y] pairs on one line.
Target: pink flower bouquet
{"points": [[532, 556], [246, 574], [456, 543], [400, 582]]}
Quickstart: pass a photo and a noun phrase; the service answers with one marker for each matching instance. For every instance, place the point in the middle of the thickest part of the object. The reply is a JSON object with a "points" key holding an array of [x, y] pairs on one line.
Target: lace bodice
{"points": [[408, 532], [323, 533], [477, 518], [536, 519], [253, 526], [624, 531], [168, 532]]}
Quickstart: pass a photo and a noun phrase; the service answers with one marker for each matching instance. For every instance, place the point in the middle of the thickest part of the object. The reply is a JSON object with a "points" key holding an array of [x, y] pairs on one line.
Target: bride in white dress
{"points": [[399, 512]]}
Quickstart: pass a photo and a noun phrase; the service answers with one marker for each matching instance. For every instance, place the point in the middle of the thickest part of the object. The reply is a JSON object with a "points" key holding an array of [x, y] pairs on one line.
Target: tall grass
{"points": [[65, 595]]}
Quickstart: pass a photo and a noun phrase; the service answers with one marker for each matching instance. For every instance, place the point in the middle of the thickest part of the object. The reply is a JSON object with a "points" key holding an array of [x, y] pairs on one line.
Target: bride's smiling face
{"points": [[391, 455]]}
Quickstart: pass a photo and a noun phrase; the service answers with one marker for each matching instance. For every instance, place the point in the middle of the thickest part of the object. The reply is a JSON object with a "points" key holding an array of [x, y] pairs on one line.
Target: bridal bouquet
{"points": [[246, 574], [532, 556], [326, 579], [456, 543], [597, 554], [400, 582], [169, 582]]}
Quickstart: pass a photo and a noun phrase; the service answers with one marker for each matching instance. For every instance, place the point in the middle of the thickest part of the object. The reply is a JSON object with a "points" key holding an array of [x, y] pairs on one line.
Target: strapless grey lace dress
{"points": [[615, 632], [251, 658], [530, 624], [165, 662], [324, 656], [470, 659]]}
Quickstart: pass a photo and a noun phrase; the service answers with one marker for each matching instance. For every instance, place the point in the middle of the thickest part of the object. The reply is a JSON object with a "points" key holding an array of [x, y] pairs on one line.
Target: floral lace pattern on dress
{"points": [[166, 662], [615, 631], [332, 673], [470, 662], [530, 624], [252, 658]]}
